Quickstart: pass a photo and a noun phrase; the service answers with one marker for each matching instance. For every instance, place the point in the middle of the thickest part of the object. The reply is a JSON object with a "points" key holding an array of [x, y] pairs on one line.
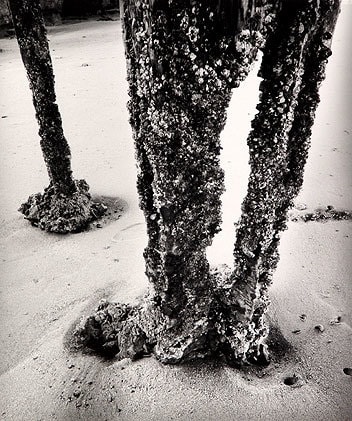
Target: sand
{"points": [[49, 281]]}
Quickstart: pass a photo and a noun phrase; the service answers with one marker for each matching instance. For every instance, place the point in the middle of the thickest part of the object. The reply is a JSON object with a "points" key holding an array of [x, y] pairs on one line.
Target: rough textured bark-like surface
{"points": [[34, 48], [293, 68], [59, 212], [184, 58], [5, 15], [31, 36]]}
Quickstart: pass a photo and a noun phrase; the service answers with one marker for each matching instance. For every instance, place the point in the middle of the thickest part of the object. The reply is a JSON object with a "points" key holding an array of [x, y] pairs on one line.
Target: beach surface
{"points": [[48, 281]]}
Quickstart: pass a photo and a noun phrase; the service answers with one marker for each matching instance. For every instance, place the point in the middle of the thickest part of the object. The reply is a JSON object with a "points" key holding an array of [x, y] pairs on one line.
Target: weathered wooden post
{"points": [[293, 67], [66, 204], [184, 58]]}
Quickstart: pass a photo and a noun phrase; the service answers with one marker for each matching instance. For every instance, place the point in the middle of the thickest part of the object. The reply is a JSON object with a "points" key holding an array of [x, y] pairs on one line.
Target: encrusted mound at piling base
{"points": [[116, 330], [113, 330], [61, 213], [120, 331]]}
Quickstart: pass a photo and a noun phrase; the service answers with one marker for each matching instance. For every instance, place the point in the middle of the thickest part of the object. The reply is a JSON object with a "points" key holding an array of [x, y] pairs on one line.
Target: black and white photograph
{"points": [[176, 210]]}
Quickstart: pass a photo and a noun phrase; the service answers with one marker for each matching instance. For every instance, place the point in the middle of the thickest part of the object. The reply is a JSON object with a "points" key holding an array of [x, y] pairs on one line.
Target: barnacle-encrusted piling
{"points": [[182, 65], [184, 58], [293, 68], [64, 206]]}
